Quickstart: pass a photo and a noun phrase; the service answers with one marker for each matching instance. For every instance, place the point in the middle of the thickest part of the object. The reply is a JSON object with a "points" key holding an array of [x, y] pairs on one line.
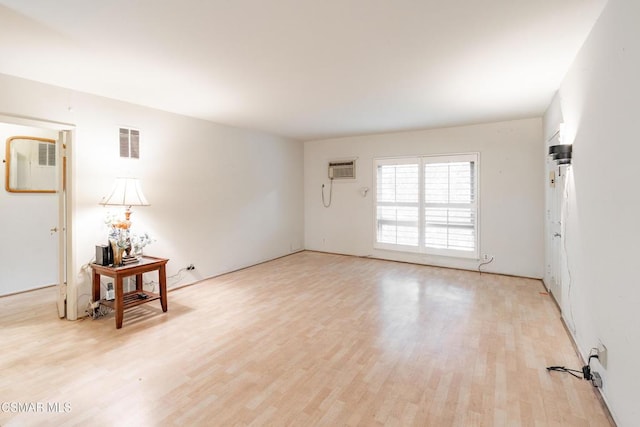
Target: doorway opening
{"points": [[35, 220]]}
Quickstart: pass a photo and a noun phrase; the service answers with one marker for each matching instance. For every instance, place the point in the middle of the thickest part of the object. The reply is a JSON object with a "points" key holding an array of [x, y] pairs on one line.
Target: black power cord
{"points": [[567, 370], [586, 369]]}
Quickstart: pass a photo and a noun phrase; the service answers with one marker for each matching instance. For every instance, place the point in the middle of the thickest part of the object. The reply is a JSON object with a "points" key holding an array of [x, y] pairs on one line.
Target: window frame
{"points": [[422, 160]]}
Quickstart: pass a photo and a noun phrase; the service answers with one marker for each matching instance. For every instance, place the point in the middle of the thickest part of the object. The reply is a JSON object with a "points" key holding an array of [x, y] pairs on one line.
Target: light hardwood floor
{"points": [[309, 339]]}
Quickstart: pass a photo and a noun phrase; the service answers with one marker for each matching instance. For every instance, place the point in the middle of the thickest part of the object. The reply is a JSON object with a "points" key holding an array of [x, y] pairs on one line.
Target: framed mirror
{"points": [[31, 165]]}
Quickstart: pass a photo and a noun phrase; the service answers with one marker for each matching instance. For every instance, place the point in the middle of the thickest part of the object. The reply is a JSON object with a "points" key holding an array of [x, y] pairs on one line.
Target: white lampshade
{"points": [[126, 192]]}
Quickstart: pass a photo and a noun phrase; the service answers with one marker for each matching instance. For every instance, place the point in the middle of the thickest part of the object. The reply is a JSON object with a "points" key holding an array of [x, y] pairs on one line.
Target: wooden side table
{"points": [[131, 299]]}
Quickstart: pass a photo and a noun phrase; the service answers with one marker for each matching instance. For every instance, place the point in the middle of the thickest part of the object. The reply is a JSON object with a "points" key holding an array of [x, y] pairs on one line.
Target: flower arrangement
{"points": [[118, 231], [139, 241], [122, 239]]}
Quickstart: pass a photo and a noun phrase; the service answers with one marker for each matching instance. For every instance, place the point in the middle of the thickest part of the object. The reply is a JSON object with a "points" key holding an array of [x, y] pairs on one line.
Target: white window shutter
{"points": [[428, 204], [397, 204]]}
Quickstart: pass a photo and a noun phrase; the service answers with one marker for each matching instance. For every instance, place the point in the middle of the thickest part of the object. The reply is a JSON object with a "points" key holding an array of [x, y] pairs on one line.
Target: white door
{"points": [[57, 238], [555, 229]]}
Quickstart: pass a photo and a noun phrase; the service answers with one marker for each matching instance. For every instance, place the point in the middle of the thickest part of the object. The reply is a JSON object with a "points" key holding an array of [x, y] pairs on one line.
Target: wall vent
{"points": [[46, 154], [129, 143], [342, 169]]}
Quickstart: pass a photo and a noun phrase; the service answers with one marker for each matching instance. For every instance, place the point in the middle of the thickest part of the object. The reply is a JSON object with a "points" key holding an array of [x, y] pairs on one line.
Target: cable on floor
{"points": [[567, 370]]}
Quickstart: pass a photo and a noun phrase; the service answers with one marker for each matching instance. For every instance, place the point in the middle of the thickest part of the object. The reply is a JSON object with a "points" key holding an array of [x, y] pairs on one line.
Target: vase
{"points": [[117, 253]]}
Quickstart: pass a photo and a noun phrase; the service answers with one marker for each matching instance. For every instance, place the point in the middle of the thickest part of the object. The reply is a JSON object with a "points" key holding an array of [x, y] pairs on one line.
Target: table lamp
{"points": [[126, 192]]}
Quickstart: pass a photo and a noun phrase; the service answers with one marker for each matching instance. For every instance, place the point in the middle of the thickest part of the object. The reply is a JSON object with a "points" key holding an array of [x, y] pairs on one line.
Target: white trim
{"points": [[29, 121]]}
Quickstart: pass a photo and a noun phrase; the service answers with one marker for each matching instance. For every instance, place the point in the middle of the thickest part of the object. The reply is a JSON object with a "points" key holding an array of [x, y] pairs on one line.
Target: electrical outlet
{"points": [[191, 267], [602, 354]]}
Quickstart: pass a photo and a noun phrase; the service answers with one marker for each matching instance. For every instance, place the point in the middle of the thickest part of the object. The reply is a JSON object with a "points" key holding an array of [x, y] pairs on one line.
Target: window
{"points": [[129, 143], [398, 203], [428, 205]]}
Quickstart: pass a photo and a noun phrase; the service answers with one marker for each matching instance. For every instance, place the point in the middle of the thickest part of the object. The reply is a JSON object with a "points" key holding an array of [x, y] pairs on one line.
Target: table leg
{"points": [[119, 302], [162, 277], [96, 286], [139, 282]]}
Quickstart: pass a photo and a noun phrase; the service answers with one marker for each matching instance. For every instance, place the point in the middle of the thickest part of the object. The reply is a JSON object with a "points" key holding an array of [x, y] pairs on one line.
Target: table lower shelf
{"points": [[131, 299]]}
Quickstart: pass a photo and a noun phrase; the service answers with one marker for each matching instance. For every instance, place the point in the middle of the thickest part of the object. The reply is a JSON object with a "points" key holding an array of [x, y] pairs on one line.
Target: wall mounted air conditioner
{"points": [[342, 169]]}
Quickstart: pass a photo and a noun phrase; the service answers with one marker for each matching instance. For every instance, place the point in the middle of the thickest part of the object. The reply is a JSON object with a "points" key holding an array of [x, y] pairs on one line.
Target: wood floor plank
{"points": [[306, 340]]}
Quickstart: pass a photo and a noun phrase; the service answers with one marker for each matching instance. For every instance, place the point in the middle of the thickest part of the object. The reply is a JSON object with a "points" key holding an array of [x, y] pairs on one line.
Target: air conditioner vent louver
{"points": [[342, 169], [129, 143], [46, 154]]}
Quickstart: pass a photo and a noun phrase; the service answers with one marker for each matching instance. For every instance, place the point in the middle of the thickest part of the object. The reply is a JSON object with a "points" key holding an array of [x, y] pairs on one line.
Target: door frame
{"points": [[555, 230], [556, 270], [63, 146], [66, 299]]}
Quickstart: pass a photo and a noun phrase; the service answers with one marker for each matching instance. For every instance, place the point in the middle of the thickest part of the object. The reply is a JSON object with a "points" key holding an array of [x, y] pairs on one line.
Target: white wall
{"points": [[599, 101], [221, 197], [511, 193], [27, 219]]}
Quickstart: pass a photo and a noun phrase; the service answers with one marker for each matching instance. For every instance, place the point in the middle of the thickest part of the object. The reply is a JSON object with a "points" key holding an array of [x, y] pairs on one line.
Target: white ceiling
{"points": [[305, 69]]}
